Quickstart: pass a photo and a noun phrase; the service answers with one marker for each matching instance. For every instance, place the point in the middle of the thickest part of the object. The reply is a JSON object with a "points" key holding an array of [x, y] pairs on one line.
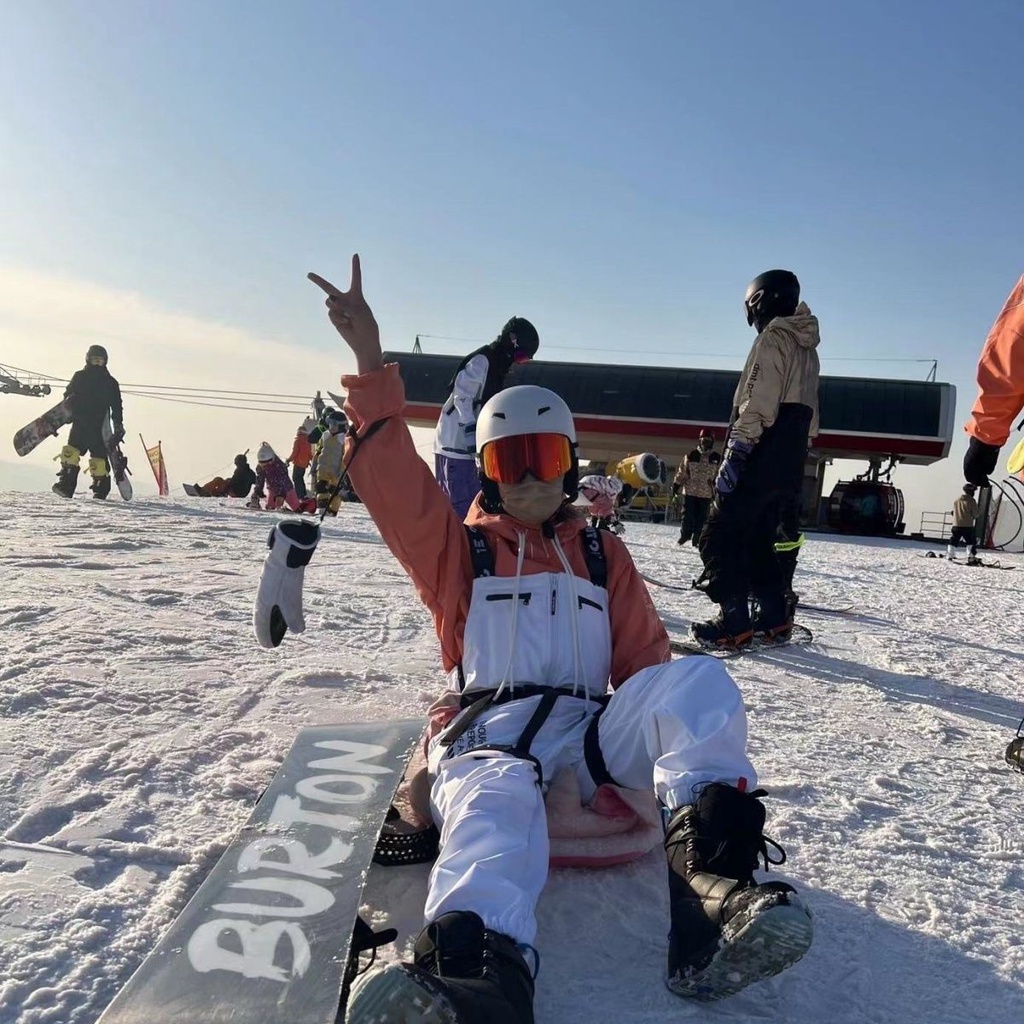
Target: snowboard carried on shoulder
{"points": [[47, 425], [118, 461], [273, 933]]}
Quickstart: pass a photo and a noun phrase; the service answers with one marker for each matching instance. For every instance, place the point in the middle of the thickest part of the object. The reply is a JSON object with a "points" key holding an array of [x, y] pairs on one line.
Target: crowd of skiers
{"points": [[318, 451]]}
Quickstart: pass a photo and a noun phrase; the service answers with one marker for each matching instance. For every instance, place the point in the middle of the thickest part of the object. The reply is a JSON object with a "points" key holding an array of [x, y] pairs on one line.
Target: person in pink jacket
{"points": [[556, 658]]}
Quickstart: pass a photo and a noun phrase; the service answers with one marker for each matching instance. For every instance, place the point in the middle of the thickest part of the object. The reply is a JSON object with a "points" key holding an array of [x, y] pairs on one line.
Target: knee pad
{"points": [[69, 456], [97, 468]]}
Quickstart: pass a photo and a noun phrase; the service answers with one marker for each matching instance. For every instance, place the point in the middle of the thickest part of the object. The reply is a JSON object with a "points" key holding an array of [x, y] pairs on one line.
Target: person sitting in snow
{"points": [[272, 474], [238, 486], [532, 643]]}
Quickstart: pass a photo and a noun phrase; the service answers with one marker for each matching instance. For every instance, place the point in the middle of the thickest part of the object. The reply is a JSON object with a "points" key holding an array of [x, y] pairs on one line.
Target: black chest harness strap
{"points": [[476, 703]]}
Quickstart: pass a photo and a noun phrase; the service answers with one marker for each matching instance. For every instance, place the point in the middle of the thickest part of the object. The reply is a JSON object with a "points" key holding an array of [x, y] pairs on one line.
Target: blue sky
{"points": [[615, 172]]}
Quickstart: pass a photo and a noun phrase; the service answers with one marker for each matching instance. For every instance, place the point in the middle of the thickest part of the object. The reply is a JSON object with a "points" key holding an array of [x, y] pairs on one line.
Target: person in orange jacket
{"points": [[556, 658], [302, 453], [1000, 390]]}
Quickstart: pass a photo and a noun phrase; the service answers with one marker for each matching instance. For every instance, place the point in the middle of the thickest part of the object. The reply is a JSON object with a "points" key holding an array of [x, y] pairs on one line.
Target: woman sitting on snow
{"points": [[538, 616]]}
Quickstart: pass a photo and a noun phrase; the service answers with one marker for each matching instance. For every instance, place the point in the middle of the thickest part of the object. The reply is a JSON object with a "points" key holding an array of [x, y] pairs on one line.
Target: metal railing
{"points": [[937, 524]]}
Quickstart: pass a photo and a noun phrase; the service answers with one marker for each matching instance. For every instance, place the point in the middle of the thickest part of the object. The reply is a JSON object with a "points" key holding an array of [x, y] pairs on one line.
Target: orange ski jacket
{"points": [[1001, 374], [424, 533]]}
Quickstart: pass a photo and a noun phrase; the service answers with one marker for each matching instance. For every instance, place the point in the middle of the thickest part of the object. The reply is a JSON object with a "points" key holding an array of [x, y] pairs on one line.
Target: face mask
{"points": [[531, 501]]}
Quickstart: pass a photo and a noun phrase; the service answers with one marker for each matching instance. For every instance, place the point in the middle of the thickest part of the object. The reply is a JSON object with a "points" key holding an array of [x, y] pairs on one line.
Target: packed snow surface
{"points": [[140, 722]]}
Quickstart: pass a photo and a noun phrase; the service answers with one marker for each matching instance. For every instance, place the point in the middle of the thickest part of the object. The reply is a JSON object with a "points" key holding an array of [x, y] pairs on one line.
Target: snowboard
{"points": [[688, 645], [980, 564], [118, 461], [47, 425], [266, 938], [190, 489]]}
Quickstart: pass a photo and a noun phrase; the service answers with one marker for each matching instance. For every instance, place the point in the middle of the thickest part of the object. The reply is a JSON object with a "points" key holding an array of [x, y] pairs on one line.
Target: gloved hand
{"points": [[118, 435], [737, 451], [279, 598], [979, 462]]}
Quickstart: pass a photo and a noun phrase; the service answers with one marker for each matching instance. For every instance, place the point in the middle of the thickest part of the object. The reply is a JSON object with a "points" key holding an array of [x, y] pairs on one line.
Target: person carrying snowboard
{"points": [[93, 394], [1000, 390], [479, 376], [775, 411], [695, 477], [537, 616]]}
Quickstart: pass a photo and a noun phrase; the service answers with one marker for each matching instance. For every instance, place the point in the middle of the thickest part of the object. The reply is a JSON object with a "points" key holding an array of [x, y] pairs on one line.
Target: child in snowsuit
{"points": [[302, 453], [965, 515], [479, 376], [598, 496], [775, 412], [537, 616], [330, 459], [272, 474], [93, 395]]}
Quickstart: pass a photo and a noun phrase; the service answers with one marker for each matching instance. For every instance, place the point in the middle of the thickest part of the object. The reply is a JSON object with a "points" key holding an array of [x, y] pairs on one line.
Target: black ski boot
{"points": [[727, 930], [100, 487], [773, 622], [730, 628], [67, 481], [462, 974]]}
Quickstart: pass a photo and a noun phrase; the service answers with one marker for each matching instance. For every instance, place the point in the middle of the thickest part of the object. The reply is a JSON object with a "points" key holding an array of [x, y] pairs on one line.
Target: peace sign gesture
{"points": [[353, 319]]}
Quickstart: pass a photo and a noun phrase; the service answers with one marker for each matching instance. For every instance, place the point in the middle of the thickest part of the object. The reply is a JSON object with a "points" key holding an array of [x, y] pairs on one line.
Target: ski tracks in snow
{"points": [[143, 721]]}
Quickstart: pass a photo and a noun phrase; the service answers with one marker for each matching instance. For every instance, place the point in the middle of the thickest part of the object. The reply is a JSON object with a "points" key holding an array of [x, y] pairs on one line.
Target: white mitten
{"points": [[279, 598]]}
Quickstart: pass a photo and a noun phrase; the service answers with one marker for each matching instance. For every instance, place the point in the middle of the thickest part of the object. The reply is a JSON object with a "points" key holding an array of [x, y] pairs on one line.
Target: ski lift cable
{"points": [[291, 403], [218, 392], [218, 405], [673, 354]]}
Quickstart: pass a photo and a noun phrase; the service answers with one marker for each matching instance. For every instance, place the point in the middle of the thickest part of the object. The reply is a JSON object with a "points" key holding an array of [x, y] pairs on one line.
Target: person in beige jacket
{"points": [[965, 515], [775, 412]]}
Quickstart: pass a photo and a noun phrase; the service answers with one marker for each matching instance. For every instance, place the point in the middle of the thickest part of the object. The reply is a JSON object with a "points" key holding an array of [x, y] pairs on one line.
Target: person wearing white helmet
{"points": [[556, 659]]}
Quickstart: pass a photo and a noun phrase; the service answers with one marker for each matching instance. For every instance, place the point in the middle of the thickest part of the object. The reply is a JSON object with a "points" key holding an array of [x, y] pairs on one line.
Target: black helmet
{"points": [[336, 418], [523, 338], [771, 294], [240, 460], [969, 488], [705, 439], [96, 351]]}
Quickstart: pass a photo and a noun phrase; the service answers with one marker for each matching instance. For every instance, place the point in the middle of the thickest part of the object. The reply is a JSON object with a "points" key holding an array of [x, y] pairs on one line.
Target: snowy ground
{"points": [[140, 721]]}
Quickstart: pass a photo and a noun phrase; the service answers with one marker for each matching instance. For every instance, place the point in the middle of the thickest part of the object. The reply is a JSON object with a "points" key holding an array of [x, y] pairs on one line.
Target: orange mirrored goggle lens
{"points": [[508, 459]]}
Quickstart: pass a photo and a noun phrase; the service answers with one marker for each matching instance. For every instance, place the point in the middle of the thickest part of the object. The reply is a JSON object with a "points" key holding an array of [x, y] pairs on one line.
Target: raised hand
{"points": [[353, 319]]}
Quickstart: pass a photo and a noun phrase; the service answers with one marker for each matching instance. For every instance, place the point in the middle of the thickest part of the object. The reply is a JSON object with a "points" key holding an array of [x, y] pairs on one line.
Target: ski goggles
{"points": [[508, 459]]}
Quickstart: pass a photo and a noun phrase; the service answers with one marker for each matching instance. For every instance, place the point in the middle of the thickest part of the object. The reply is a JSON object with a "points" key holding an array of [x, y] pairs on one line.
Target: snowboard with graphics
{"points": [[266, 938], [47, 425], [118, 461]]}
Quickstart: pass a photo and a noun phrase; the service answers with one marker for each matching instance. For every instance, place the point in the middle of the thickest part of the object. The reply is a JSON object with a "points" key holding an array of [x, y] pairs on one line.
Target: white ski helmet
{"points": [[525, 409]]}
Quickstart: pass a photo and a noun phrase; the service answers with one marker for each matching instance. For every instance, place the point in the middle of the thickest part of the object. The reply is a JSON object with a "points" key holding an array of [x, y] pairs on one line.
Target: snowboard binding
{"points": [[1015, 750]]}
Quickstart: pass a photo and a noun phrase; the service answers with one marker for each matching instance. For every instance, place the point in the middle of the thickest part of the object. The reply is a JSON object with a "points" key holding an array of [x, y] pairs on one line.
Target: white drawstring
{"points": [[574, 616], [507, 676]]}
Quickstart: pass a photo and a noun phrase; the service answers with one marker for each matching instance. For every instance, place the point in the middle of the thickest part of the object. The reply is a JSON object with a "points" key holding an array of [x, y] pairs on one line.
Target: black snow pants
{"points": [[738, 542], [695, 514]]}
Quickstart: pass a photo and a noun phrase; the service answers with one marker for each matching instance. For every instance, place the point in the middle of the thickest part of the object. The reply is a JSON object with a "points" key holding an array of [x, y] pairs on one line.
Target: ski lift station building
{"points": [[621, 410]]}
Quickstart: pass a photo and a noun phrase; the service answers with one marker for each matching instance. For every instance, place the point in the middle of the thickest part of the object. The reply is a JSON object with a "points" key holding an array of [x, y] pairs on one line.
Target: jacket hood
{"points": [[802, 326]]}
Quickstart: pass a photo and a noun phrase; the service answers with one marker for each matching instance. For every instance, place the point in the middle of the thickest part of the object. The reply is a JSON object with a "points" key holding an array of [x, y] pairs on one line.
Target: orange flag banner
{"points": [[156, 462]]}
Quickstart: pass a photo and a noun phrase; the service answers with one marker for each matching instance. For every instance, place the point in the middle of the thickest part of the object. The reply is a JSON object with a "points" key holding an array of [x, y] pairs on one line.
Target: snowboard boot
{"points": [[462, 974], [730, 628], [728, 931], [774, 620], [67, 481]]}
